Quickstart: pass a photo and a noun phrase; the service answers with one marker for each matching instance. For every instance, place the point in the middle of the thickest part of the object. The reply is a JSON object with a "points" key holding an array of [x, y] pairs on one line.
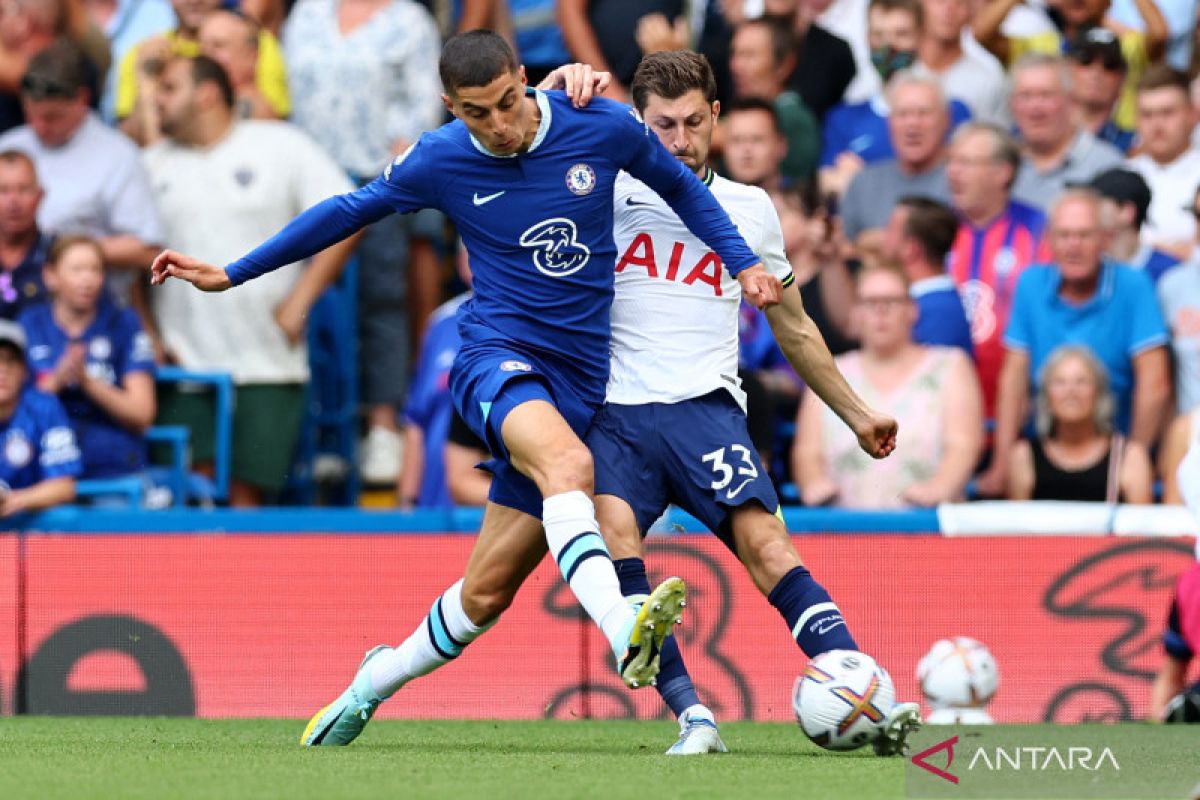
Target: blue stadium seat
{"points": [[198, 487]]}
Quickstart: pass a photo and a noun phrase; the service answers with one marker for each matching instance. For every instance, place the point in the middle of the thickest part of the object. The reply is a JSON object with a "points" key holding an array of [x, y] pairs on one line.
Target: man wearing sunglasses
{"points": [[1098, 70]]}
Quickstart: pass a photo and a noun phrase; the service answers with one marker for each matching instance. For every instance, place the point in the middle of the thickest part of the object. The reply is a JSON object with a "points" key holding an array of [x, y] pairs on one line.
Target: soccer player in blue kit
{"points": [[673, 429], [528, 180]]}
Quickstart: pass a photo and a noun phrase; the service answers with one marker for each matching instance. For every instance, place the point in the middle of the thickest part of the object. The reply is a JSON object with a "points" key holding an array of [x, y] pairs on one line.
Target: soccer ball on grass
{"points": [[842, 699]]}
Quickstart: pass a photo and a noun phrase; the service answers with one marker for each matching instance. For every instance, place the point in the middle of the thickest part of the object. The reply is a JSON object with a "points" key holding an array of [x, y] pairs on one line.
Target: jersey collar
{"points": [[709, 175], [543, 103]]}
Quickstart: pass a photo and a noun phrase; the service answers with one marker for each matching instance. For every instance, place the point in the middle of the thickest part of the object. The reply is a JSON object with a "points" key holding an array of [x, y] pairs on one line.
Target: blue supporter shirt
{"points": [[430, 403], [116, 346], [22, 286], [941, 318], [862, 129], [38, 444], [1119, 322], [538, 225]]}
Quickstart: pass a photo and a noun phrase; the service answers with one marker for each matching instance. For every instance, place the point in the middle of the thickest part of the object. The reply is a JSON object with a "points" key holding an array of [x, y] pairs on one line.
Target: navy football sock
{"points": [[815, 620], [674, 684]]}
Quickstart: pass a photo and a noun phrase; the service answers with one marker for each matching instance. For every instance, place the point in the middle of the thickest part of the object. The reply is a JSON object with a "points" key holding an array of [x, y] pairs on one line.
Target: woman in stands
{"points": [[1076, 454], [94, 357], [932, 391]]}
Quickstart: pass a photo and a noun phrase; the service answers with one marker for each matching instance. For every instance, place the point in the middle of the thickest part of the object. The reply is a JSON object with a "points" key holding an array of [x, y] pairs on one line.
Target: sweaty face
{"points": [[495, 114], [754, 149], [684, 126], [20, 196]]}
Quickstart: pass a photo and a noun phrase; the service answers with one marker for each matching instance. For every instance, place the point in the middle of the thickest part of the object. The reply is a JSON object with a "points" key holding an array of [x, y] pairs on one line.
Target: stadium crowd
{"points": [[990, 206]]}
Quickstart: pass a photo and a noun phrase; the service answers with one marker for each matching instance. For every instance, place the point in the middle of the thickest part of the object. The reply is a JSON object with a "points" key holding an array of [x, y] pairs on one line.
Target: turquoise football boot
{"points": [[339, 723]]}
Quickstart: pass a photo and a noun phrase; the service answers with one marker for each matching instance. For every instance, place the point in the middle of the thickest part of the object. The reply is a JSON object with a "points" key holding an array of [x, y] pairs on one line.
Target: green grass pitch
{"points": [[46, 757]]}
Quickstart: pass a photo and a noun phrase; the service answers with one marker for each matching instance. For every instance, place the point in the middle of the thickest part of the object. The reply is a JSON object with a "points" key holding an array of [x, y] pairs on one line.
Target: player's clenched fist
{"points": [[759, 287], [206, 277], [877, 435]]}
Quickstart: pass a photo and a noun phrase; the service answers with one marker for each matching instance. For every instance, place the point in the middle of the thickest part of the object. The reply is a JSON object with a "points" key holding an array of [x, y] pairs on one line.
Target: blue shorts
{"points": [[695, 454], [491, 378]]}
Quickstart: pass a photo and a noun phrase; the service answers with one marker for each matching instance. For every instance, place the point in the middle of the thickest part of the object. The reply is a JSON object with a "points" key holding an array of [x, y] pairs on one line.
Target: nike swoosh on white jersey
{"points": [[486, 199]]}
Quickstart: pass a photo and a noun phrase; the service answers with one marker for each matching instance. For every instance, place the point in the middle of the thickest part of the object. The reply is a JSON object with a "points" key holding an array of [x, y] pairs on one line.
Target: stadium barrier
{"points": [[268, 613]]}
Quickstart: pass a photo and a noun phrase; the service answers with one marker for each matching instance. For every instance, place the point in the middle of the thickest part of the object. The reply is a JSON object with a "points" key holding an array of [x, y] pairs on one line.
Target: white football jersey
{"points": [[675, 313]]}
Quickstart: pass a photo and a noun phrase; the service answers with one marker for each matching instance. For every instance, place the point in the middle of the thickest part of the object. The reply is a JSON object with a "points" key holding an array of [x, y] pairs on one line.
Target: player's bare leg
{"points": [[510, 545], [698, 732], [543, 447], [764, 546]]}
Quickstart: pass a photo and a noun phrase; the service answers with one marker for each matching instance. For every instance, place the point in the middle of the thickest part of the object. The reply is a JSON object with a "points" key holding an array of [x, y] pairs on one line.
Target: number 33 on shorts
{"points": [[743, 468]]}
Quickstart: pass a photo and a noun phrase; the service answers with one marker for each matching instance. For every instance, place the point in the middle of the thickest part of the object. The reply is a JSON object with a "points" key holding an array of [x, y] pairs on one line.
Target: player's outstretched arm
{"points": [[205, 277], [808, 354]]}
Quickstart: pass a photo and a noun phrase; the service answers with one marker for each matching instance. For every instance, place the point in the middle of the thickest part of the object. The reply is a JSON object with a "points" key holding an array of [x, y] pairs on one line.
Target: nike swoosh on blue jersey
{"points": [[487, 199], [738, 490]]}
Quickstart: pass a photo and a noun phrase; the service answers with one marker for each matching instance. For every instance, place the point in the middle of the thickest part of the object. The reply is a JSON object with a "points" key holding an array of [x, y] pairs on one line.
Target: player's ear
{"points": [[521, 74], [716, 110], [448, 103]]}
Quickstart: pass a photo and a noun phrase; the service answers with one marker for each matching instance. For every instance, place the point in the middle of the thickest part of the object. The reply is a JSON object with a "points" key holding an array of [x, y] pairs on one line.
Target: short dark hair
{"points": [[757, 104], [913, 7], [932, 224], [59, 71], [1164, 76], [780, 31], [206, 70], [474, 58], [670, 75]]}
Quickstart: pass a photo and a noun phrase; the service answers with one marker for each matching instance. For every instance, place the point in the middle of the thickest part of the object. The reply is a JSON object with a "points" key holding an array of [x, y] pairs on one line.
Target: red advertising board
{"points": [[274, 625]]}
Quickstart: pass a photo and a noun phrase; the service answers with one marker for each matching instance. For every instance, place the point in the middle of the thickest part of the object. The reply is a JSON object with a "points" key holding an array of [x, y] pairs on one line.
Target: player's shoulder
{"points": [[611, 114], [626, 185], [723, 188]]}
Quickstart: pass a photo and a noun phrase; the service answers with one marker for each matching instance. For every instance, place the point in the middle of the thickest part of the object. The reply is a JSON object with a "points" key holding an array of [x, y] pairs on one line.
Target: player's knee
{"points": [[569, 468]]}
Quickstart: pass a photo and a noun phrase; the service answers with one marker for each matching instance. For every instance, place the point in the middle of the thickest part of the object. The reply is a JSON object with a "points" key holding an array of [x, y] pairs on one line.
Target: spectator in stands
{"points": [[1124, 203], [998, 237], [850, 20], [534, 28], [917, 128], [972, 76], [1076, 454], [814, 245], [1167, 160], [39, 462], [932, 392], [1081, 298], [1056, 149], [224, 184], [93, 177], [1179, 296], [26, 28], [754, 145], [23, 247], [469, 485], [825, 65], [856, 134], [1073, 18], [603, 33], [760, 63], [917, 239], [1179, 438], [1097, 74], [1180, 16], [141, 67], [95, 358], [427, 416], [370, 69], [125, 23], [231, 39]]}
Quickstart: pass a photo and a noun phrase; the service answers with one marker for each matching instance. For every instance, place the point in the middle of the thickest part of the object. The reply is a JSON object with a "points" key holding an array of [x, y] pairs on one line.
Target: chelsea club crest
{"points": [[581, 179]]}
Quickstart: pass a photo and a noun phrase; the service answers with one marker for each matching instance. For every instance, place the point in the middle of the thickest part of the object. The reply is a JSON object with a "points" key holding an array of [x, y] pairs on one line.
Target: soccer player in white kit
{"points": [[673, 428]]}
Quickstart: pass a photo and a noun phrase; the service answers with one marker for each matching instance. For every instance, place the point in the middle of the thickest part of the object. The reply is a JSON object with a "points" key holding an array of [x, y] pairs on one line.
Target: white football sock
{"points": [[575, 543], [439, 638]]}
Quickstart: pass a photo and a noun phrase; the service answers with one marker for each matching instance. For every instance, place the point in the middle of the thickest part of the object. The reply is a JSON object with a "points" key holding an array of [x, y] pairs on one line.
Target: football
{"points": [[958, 673], [842, 699]]}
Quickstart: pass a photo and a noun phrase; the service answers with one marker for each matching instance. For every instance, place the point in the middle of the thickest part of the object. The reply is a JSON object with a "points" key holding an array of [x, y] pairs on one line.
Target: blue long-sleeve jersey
{"points": [[538, 225]]}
